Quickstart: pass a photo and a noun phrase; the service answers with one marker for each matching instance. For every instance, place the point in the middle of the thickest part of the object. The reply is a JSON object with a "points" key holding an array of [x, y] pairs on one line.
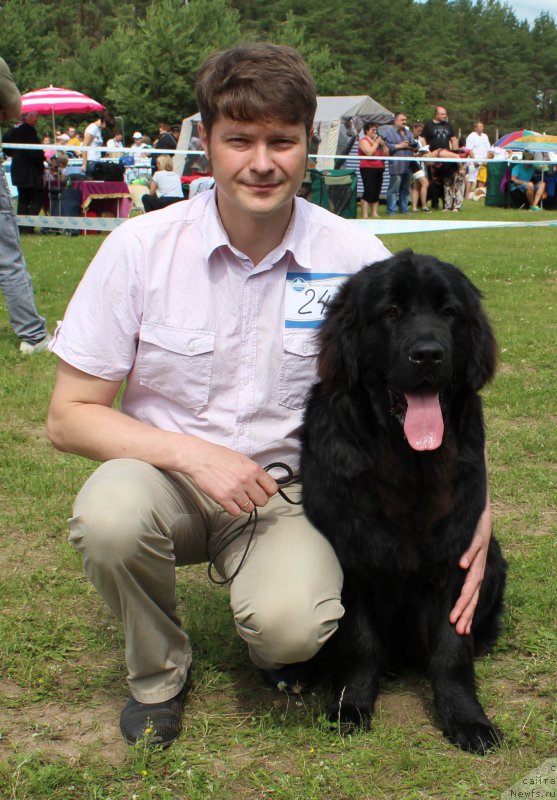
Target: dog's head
{"points": [[408, 330]]}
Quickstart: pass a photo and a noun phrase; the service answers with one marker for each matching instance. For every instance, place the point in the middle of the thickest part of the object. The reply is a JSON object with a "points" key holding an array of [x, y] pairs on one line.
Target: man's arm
{"points": [[81, 420]]}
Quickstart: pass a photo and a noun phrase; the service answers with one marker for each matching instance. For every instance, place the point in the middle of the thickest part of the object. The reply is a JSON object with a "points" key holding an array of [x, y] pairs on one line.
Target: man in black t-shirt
{"points": [[439, 133], [166, 141]]}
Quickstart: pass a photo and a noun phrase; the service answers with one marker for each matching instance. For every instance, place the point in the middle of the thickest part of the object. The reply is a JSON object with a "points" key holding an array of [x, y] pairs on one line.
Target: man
{"points": [[27, 167], [165, 141], [401, 144], [15, 281], [439, 133], [207, 310], [523, 181], [114, 145], [137, 142], [476, 174]]}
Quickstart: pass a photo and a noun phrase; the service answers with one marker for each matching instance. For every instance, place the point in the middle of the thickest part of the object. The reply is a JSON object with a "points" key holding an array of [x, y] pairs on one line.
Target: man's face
{"points": [[258, 166], [480, 127], [441, 114], [400, 122], [71, 132]]}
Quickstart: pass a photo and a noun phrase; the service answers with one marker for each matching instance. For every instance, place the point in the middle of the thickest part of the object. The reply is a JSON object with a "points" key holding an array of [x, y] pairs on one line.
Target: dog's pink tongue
{"points": [[423, 424]]}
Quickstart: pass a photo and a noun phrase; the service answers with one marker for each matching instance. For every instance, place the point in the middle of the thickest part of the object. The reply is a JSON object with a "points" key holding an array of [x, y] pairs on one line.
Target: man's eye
{"points": [[283, 143]]}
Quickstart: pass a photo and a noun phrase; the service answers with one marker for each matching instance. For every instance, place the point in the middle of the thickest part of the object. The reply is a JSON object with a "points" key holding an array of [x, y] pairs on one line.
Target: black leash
{"points": [[287, 480]]}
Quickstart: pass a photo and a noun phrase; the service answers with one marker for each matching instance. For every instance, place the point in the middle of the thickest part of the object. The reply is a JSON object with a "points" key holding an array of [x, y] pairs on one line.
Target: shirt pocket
{"points": [[298, 368], [176, 363]]}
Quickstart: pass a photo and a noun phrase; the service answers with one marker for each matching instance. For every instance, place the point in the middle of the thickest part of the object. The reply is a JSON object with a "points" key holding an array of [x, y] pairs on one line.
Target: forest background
{"points": [[140, 58]]}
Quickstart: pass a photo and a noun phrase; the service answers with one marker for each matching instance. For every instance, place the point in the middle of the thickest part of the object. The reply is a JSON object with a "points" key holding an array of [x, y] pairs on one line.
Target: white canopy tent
{"points": [[334, 118]]}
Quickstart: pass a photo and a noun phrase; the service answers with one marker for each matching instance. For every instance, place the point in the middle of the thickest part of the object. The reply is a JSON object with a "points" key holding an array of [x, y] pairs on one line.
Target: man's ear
{"points": [[203, 136]]}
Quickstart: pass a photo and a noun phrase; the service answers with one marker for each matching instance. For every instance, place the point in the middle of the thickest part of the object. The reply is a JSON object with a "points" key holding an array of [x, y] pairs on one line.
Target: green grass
{"points": [[62, 683]]}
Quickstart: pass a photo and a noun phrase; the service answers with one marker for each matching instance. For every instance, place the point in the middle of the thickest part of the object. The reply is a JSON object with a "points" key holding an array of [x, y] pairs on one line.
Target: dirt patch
{"points": [[60, 730]]}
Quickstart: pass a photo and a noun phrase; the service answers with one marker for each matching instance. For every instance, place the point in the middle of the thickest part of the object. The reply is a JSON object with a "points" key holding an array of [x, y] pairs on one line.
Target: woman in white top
{"points": [[93, 138], [165, 187]]}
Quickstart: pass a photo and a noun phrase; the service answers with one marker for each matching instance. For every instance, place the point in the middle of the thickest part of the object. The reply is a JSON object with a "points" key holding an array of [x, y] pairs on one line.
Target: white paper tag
{"points": [[307, 295]]}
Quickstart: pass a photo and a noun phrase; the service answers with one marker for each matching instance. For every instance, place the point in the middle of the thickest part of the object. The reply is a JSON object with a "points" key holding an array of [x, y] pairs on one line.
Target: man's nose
{"points": [[261, 158]]}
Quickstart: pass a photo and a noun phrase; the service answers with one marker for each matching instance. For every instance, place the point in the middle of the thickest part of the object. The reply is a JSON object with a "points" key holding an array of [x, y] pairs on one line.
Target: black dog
{"points": [[393, 474]]}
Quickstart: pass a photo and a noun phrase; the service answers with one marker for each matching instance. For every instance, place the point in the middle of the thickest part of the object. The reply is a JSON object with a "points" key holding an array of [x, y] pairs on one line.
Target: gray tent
{"points": [[338, 119], [334, 118]]}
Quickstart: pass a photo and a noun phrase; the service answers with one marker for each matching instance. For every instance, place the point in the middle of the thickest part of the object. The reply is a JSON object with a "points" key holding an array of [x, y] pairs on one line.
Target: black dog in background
{"points": [[393, 474]]}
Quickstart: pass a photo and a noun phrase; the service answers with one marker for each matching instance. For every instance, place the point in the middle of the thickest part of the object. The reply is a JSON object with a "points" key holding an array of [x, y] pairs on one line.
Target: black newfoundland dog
{"points": [[393, 474]]}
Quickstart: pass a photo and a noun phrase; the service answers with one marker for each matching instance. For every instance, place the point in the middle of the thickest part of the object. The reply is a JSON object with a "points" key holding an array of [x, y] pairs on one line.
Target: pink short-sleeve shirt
{"points": [[207, 343]]}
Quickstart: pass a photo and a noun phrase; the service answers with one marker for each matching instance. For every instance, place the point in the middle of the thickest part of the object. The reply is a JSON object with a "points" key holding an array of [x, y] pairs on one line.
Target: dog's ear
{"points": [[338, 364], [482, 356]]}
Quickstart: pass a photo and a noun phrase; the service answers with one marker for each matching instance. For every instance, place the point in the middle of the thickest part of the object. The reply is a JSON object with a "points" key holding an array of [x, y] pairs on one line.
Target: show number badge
{"points": [[307, 296]]}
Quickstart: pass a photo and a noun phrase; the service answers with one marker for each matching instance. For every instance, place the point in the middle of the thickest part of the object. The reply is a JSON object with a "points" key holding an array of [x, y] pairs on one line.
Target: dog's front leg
{"points": [[452, 673], [354, 652]]}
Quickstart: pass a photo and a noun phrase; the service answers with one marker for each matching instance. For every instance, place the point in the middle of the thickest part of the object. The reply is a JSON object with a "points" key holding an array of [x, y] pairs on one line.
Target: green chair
{"points": [[335, 190]]}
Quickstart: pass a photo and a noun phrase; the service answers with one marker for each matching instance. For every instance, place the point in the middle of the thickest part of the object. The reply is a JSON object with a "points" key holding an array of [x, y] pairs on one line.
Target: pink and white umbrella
{"points": [[58, 101]]}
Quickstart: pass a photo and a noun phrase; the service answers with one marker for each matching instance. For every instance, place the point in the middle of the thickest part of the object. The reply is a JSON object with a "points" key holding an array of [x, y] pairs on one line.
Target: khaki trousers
{"points": [[133, 524]]}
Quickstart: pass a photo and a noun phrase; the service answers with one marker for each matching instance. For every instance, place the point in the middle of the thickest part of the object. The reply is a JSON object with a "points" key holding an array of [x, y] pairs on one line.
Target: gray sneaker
{"points": [[28, 348]]}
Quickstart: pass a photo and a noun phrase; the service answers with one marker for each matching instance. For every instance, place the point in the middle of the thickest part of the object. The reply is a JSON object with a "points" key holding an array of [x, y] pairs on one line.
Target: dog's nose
{"points": [[427, 354]]}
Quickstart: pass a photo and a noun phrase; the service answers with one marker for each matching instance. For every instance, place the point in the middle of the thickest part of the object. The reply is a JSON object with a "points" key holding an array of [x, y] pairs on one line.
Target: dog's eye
{"points": [[392, 313], [448, 312]]}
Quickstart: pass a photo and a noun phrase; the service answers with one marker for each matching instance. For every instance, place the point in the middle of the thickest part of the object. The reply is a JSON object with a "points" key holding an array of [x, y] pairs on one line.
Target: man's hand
{"points": [[231, 479], [82, 420], [474, 560]]}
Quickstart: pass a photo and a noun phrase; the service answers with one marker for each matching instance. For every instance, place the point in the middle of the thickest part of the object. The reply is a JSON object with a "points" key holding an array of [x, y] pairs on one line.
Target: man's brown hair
{"points": [[256, 82]]}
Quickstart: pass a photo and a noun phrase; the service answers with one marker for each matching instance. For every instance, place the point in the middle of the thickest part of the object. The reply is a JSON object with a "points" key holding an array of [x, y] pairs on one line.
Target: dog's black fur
{"points": [[399, 518]]}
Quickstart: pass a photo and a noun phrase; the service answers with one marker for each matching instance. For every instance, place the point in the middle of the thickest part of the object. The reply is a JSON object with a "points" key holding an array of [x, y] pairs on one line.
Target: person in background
{"points": [[15, 281], [438, 133], [74, 141], [115, 145], [27, 170], [165, 187], [93, 138], [525, 181], [400, 143], [165, 141], [420, 182], [49, 151], [372, 167], [478, 144]]}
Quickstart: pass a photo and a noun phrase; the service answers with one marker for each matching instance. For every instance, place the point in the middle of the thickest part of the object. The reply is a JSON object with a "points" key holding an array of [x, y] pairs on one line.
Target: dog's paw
{"points": [[348, 717], [475, 737]]}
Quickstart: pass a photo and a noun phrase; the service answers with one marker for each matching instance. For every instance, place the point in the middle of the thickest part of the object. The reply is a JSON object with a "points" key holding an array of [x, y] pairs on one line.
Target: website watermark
{"points": [[538, 784]]}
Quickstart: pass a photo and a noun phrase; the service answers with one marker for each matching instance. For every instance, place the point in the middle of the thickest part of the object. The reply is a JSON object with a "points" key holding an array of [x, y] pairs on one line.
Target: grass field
{"points": [[62, 680]]}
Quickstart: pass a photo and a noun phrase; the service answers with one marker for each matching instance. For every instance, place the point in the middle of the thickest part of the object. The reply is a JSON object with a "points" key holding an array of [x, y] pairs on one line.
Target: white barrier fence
{"points": [[380, 227], [147, 152]]}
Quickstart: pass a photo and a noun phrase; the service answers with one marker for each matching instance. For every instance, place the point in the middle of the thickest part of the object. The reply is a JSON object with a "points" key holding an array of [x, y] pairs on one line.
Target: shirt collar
{"points": [[295, 240]]}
